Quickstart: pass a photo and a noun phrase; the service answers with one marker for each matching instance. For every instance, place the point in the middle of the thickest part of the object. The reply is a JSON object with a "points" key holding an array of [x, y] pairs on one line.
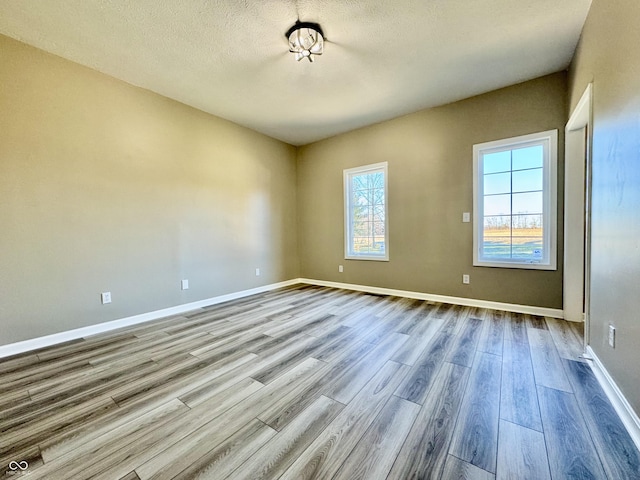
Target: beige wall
{"points": [[430, 185], [609, 55], [107, 187]]}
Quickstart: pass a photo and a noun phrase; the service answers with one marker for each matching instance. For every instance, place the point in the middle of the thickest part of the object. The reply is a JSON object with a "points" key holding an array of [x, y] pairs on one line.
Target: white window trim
{"points": [[347, 209], [550, 198]]}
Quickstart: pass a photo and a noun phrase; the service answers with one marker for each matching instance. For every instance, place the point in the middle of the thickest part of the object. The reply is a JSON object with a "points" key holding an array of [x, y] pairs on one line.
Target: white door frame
{"points": [[577, 210]]}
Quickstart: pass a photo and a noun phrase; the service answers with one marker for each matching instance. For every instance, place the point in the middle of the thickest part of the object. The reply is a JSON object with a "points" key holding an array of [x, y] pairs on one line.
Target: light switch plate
{"points": [[466, 217]]}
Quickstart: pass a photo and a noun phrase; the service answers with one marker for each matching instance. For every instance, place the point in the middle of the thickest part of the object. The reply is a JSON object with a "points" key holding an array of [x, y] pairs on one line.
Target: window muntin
{"points": [[515, 202], [366, 229]]}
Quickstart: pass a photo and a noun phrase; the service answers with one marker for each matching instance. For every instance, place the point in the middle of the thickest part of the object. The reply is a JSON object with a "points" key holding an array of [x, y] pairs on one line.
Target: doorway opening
{"points": [[577, 213]]}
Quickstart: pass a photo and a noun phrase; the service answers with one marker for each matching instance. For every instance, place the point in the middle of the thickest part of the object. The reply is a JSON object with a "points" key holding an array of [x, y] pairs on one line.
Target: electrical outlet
{"points": [[466, 217], [184, 284], [340, 268], [465, 279], [612, 336], [105, 297], [257, 272]]}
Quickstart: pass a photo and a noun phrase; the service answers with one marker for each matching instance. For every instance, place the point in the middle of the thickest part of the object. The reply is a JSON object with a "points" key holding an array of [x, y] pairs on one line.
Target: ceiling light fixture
{"points": [[305, 40]]}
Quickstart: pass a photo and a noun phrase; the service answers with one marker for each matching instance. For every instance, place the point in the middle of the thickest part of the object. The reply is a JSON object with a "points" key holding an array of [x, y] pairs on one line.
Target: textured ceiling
{"points": [[383, 58]]}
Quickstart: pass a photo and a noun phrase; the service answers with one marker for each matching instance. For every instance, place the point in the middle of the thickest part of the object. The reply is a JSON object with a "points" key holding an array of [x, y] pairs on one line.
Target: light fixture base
{"points": [[306, 39]]}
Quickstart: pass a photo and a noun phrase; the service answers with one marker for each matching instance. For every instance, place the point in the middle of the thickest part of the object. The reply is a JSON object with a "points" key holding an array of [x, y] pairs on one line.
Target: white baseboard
{"points": [[56, 338], [467, 302], [622, 406], [48, 340]]}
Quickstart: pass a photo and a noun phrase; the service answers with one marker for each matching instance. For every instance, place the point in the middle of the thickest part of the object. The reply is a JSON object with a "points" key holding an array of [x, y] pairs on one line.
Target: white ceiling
{"points": [[383, 58]]}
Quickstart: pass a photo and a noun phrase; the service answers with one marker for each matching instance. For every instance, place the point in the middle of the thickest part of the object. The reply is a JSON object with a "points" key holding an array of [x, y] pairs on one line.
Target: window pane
{"points": [[496, 248], [528, 249], [377, 180], [496, 162], [498, 222], [378, 245], [527, 222], [527, 202], [360, 213], [497, 205], [497, 237], [360, 182], [378, 196], [378, 213], [530, 157], [361, 228], [361, 198], [361, 244], [497, 183], [527, 180]]}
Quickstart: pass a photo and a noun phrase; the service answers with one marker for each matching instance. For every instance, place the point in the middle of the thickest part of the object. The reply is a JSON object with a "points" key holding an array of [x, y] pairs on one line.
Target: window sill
{"points": [[375, 259], [517, 265]]}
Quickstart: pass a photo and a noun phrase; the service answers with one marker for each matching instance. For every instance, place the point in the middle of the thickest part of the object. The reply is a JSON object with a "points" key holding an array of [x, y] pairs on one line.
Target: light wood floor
{"points": [[312, 382]]}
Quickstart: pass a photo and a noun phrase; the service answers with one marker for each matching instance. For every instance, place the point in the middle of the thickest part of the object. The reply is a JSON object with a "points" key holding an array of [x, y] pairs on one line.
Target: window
{"points": [[514, 202], [365, 200]]}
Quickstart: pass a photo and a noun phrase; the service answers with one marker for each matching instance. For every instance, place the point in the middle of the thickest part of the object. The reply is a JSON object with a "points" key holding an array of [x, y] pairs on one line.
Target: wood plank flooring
{"points": [[312, 382]]}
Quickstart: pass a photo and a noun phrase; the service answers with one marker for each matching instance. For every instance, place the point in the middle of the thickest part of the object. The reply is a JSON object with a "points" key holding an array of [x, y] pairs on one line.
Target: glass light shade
{"points": [[305, 41]]}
